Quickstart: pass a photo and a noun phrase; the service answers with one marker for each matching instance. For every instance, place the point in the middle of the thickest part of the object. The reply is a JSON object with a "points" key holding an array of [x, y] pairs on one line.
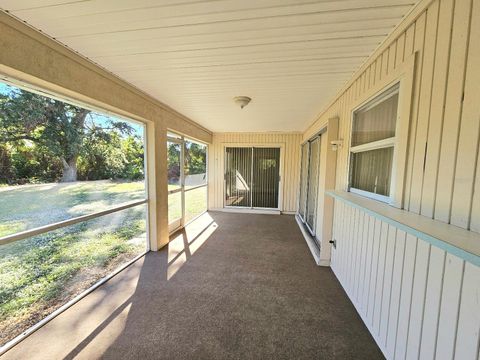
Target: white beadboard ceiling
{"points": [[289, 56]]}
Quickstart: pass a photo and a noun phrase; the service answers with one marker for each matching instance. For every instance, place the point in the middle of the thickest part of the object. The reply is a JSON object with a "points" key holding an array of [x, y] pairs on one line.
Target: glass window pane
{"points": [[61, 161], [195, 164], [375, 123], [371, 171], [173, 163], [195, 202], [40, 274], [174, 207]]}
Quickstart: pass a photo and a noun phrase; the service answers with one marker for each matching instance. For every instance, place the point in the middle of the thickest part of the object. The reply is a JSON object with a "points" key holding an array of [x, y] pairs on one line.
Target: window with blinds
{"points": [[373, 146]]}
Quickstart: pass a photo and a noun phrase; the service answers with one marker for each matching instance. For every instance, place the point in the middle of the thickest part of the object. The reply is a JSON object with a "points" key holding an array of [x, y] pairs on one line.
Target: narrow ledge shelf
{"points": [[457, 241]]}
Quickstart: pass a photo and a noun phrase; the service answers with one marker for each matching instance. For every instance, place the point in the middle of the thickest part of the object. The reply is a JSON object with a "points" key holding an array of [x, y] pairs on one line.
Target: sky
{"points": [[95, 117]]}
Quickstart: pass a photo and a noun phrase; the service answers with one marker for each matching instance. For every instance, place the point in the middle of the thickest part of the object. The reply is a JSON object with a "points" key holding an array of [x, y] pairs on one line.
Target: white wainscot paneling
{"points": [[417, 300]]}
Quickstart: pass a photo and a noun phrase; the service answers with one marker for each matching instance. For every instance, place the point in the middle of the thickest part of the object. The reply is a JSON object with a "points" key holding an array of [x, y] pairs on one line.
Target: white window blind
{"points": [[373, 146]]}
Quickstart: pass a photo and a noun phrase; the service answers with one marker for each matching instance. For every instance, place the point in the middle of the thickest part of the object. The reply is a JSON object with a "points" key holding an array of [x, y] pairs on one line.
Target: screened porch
{"points": [[272, 179]]}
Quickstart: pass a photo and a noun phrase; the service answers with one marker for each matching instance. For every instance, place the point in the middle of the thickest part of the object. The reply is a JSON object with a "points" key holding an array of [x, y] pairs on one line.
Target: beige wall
{"points": [[415, 294], [442, 174], [291, 169], [30, 58]]}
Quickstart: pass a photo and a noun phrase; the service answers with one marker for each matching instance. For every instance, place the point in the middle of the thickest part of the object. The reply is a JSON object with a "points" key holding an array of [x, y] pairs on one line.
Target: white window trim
{"points": [[402, 76], [370, 195], [374, 145]]}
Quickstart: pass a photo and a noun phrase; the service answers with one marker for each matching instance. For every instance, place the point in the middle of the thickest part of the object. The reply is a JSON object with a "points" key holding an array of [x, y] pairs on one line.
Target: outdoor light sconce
{"points": [[336, 144], [242, 101]]}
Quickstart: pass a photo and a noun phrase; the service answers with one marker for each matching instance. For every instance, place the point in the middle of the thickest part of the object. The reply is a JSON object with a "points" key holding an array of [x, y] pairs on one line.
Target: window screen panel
{"points": [[173, 165], [371, 170], [375, 123], [195, 164], [238, 177], [266, 167]]}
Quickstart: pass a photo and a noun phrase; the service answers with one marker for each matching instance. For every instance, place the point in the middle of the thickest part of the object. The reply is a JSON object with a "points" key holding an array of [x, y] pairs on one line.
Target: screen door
{"points": [[252, 177]]}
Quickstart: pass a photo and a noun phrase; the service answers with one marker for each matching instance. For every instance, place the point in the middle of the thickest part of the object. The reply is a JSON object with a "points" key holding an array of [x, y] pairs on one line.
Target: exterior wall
{"points": [[326, 181], [442, 171], [30, 58], [291, 164], [418, 301]]}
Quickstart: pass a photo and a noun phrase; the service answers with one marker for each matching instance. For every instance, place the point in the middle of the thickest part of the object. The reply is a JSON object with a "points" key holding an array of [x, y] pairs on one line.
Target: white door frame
{"points": [[314, 227]]}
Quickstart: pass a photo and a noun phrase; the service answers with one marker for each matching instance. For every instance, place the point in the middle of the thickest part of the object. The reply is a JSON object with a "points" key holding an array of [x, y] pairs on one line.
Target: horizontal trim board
{"points": [[459, 242], [374, 145], [371, 195], [187, 189], [61, 224]]}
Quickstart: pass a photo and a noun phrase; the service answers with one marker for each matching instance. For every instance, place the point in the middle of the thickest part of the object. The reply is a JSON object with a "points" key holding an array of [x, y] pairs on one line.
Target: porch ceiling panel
{"points": [[289, 56]]}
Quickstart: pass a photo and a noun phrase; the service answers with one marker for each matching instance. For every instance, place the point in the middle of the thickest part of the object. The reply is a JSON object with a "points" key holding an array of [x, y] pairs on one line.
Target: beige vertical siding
{"points": [[418, 300], [442, 173], [291, 164]]}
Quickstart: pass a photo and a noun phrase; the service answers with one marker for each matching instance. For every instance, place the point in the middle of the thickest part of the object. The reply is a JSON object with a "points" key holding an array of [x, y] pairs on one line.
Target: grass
{"points": [[20, 205], [195, 203], [39, 274]]}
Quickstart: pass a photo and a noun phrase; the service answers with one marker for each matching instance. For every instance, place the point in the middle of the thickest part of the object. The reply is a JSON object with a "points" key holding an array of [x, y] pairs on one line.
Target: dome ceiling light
{"points": [[242, 101]]}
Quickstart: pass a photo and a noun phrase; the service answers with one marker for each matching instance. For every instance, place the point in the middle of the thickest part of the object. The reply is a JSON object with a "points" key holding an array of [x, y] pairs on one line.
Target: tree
{"points": [[60, 131], [195, 158], [58, 126], [108, 154]]}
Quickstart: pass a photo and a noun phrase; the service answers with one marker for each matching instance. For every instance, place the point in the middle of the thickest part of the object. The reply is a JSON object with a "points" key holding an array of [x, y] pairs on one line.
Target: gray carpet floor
{"points": [[233, 286]]}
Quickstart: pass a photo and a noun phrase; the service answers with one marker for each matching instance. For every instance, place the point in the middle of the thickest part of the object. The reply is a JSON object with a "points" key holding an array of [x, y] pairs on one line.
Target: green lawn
{"points": [[29, 206], [195, 203], [39, 274]]}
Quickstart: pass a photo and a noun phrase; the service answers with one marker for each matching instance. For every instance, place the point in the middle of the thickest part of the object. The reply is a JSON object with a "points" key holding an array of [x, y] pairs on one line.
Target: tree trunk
{"points": [[69, 170], [73, 147]]}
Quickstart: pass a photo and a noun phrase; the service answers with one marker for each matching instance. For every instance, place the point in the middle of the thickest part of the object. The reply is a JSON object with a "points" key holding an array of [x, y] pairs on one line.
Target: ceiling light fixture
{"points": [[242, 101]]}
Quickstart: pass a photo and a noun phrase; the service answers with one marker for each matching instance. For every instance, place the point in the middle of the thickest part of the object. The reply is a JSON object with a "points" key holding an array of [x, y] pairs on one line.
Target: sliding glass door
{"points": [[302, 208], [309, 175], [252, 177], [314, 165], [187, 180], [238, 177]]}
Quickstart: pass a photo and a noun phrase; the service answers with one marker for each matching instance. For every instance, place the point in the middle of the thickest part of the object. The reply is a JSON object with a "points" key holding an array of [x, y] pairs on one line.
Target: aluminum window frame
{"points": [[370, 103], [403, 77], [23, 235], [177, 138]]}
